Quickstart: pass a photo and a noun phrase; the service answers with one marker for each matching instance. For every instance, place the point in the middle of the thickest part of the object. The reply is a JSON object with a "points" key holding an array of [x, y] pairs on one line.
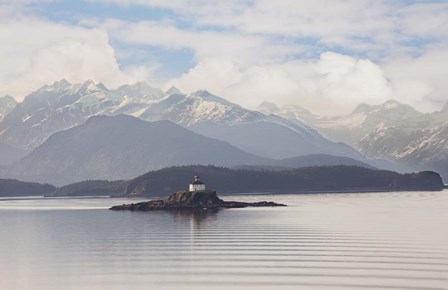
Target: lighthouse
{"points": [[196, 185]]}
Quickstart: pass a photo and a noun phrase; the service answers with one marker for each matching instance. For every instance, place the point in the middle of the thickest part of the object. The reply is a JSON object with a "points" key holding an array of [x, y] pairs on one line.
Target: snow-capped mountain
{"points": [[53, 108], [140, 90], [290, 112], [391, 131], [387, 142], [7, 104], [423, 149], [198, 107], [63, 105], [429, 150], [396, 138], [355, 126], [134, 99], [265, 135]]}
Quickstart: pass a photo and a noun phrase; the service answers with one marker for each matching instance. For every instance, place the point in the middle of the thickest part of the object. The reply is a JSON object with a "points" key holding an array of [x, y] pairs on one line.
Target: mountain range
{"points": [[392, 135], [391, 131], [122, 146], [63, 105]]}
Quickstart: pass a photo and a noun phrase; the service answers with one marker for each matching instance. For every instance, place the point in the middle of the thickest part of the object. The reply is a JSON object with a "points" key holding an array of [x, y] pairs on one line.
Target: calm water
{"points": [[321, 241]]}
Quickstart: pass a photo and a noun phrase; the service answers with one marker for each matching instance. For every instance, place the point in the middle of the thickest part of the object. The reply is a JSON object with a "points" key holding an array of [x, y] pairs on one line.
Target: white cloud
{"points": [[373, 27], [421, 81], [212, 74], [425, 20], [333, 84], [254, 54], [192, 8], [330, 21], [36, 52], [242, 49], [354, 23], [247, 51]]}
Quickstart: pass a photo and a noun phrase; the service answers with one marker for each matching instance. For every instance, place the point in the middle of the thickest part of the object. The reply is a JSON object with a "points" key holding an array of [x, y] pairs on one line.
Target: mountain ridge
{"points": [[63, 105], [120, 147], [391, 131]]}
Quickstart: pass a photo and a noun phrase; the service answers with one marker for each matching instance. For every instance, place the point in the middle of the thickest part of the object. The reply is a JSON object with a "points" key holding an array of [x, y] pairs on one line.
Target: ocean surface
{"points": [[395, 240]]}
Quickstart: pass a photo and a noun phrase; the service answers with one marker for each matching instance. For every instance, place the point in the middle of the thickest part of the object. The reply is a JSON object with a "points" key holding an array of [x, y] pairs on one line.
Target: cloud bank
{"points": [[327, 56]]}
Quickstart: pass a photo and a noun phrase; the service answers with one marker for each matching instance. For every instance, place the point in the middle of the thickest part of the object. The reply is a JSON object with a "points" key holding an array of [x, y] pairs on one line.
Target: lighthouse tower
{"points": [[196, 185]]}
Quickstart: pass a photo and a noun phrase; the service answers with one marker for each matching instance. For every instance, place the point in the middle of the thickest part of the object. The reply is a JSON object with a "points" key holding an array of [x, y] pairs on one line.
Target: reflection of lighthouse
{"points": [[196, 185], [192, 231], [199, 221]]}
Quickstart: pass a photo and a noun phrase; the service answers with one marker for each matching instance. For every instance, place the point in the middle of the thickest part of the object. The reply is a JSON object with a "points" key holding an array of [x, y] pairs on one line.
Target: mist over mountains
{"points": [[65, 129]]}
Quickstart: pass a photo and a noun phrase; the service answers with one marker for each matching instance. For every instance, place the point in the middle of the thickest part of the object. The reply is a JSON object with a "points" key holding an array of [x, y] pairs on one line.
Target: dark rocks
{"points": [[186, 200]]}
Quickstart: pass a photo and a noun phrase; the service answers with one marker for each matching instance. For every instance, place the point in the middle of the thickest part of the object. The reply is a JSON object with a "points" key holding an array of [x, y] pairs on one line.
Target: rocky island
{"points": [[192, 200], [195, 198]]}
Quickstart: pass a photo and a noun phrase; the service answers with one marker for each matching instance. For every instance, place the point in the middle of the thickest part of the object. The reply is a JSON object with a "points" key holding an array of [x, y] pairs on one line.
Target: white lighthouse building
{"points": [[196, 185]]}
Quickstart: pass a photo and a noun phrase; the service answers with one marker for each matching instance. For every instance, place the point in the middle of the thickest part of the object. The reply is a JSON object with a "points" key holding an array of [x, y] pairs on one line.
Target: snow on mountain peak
{"points": [[173, 91], [203, 106], [391, 109], [209, 97], [49, 111], [61, 84], [89, 86], [197, 107], [139, 90], [96, 95]]}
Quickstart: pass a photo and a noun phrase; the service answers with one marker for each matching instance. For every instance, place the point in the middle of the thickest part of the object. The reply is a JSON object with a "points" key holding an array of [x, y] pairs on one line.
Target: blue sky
{"points": [[308, 53]]}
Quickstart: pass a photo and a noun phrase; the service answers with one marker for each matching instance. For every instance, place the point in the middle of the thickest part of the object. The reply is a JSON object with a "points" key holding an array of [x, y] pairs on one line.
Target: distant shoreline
{"points": [[288, 193], [6, 198], [336, 191], [309, 180]]}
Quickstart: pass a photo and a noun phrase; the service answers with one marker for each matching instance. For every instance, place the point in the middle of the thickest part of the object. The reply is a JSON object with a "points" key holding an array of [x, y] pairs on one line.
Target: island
{"points": [[187, 200], [323, 179], [196, 198]]}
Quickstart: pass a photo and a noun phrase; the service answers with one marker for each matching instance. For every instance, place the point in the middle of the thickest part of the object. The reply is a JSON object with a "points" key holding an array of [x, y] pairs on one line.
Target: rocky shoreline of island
{"points": [[192, 200]]}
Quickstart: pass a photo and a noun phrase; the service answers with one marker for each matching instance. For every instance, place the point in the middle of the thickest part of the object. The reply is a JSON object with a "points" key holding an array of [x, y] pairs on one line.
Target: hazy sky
{"points": [[325, 55]]}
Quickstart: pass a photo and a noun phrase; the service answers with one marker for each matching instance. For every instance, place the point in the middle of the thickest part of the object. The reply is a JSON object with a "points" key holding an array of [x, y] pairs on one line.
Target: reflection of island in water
{"points": [[196, 217], [195, 222], [196, 198]]}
